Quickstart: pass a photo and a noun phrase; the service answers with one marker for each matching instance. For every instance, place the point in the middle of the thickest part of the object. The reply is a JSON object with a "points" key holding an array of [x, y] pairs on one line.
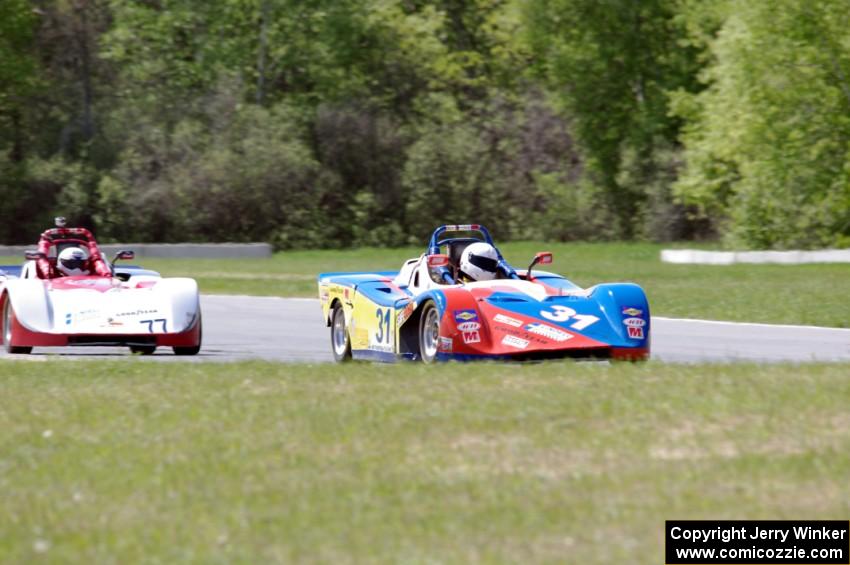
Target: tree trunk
{"points": [[261, 52], [85, 72]]}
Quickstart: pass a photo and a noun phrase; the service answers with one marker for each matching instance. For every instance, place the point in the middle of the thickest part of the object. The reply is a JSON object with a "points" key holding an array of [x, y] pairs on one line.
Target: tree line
{"points": [[325, 123]]}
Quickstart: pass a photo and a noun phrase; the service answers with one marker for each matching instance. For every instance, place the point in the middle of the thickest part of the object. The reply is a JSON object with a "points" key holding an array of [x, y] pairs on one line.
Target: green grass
{"points": [[137, 461], [790, 294]]}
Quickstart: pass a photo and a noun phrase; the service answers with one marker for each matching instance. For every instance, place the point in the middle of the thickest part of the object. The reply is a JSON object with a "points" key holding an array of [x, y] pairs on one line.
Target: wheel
{"points": [[8, 319], [340, 340], [194, 349], [429, 333], [143, 349]]}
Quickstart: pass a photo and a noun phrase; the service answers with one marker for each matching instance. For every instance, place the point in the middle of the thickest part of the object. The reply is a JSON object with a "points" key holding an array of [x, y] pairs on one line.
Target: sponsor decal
{"points": [[404, 314], [445, 344], [514, 341], [135, 313], [345, 293], [468, 326], [634, 322], [111, 323], [81, 316], [471, 337], [466, 316], [88, 282], [631, 311], [324, 295], [507, 320], [548, 332], [635, 333], [521, 333]]}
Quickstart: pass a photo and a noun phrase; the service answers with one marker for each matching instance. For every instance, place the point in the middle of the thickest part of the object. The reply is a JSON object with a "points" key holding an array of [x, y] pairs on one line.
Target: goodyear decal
{"points": [[631, 311], [465, 316]]}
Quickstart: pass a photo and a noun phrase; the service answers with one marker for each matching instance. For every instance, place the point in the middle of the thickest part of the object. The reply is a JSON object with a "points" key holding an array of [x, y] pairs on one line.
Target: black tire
{"points": [[340, 338], [143, 349], [8, 314], [429, 333], [194, 349]]}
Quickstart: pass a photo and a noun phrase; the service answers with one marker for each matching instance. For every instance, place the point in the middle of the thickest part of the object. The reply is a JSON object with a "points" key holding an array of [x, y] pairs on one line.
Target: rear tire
{"points": [[142, 349], [429, 333], [8, 319], [340, 340]]}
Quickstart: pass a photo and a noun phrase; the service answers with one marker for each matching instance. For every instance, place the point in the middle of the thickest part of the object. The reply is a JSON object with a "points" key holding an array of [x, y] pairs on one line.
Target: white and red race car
{"points": [[113, 306]]}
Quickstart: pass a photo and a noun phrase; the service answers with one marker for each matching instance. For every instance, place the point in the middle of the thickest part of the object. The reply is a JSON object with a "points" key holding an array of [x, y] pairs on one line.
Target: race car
{"points": [[66, 294], [430, 311]]}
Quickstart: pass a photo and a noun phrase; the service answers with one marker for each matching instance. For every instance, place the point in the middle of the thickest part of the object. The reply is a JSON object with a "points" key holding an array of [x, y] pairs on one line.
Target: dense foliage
{"points": [[339, 122]]}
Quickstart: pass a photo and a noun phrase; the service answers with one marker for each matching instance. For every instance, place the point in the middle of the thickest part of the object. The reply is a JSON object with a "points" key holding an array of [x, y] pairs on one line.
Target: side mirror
{"points": [[34, 255], [435, 261], [541, 258], [124, 256]]}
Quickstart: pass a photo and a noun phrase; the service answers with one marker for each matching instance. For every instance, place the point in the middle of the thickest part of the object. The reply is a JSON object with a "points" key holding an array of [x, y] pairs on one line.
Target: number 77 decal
{"points": [[560, 313], [150, 324]]}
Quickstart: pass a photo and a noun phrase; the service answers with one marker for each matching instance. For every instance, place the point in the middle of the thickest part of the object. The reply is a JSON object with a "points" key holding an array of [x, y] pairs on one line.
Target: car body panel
{"points": [[136, 307], [510, 318]]}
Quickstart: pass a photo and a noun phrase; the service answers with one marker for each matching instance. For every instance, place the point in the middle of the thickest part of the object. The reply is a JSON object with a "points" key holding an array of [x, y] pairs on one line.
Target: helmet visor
{"points": [[484, 263], [72, 264]]}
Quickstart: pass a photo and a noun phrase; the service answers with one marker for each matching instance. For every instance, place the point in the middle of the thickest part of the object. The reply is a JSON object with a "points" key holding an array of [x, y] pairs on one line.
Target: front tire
{"points": [[429, 333], [194, 349], [340, 340], [8, 320]]}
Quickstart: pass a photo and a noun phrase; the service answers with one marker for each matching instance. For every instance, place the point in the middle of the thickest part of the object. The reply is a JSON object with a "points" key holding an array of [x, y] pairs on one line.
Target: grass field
{"points": [[789, 294], [134, 461]]}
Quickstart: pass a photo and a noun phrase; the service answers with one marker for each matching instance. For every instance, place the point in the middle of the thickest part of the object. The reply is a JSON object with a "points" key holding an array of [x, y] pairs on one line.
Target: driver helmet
{"points": [[479, 261], [73, 262]]}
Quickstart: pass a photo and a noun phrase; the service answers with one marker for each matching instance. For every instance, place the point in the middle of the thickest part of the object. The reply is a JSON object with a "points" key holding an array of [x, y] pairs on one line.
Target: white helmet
{"points": [[479, 261], [72, 261]]}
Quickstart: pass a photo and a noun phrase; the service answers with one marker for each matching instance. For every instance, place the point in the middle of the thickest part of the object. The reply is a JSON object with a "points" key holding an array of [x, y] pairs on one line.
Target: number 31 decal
{"points": [[383, 325], [560, 313]]}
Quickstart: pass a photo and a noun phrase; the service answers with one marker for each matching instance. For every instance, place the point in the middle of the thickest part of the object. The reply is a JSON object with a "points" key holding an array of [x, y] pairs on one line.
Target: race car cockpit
{"points": [[456, 251], [467, 255], [76, 246]]}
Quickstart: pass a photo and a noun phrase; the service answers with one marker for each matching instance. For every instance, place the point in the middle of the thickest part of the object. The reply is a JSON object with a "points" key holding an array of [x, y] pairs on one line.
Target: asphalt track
{"points": [[291, 330]]}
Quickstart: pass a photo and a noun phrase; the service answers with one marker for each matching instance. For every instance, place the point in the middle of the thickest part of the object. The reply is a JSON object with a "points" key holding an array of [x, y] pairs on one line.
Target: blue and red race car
{"points": [[426, 311]]}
